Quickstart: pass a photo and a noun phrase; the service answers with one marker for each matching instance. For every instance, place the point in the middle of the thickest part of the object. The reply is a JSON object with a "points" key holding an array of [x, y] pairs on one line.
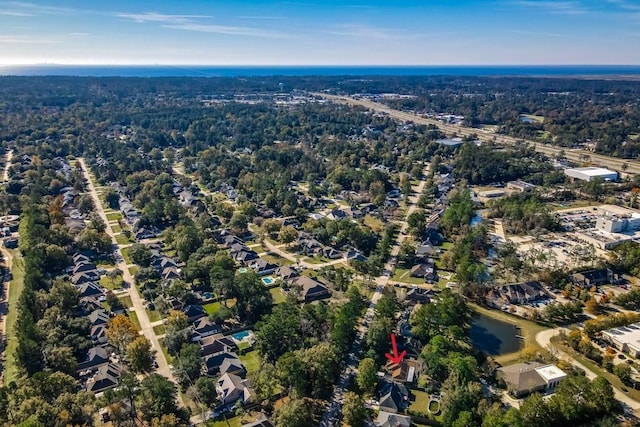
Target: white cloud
{"points": [[159, 17], [32, 8], [535, 33], [9, 12], [364, 31], [225, 29], [11, 39], [556, 7]]}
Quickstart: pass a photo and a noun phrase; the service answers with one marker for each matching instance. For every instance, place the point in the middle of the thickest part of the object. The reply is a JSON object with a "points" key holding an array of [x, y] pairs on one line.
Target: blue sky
{"points": [[321, 32]]}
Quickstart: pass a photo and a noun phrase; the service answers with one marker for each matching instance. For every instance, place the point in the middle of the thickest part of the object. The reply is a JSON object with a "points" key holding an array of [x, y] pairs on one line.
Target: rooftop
{"points": [[593, 171]]}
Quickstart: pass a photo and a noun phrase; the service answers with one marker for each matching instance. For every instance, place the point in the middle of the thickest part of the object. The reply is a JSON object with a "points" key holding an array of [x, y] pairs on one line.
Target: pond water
{"points": [[494, 337]]}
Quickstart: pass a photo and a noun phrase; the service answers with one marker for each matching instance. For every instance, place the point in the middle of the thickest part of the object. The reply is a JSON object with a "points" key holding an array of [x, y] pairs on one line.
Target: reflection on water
{"points": [[494, 337]]}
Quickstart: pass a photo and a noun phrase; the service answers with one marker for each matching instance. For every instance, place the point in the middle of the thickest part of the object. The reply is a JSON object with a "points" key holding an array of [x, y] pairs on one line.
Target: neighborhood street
{"points": [[138, 303], [332, 414]]}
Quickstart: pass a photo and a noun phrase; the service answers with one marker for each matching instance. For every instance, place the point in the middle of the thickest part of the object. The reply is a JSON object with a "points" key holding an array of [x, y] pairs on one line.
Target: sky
{"points": [[320, 32]]}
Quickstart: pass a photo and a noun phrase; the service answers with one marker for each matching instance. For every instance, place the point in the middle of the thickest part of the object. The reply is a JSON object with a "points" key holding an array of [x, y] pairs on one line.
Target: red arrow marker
{"points": [[396, 358]]}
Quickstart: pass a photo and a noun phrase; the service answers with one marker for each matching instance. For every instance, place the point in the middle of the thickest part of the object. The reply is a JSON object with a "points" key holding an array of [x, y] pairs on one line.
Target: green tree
{"points": [[140, 354], [157, 397], [121, 332], [367, 377], [353, 410], [295, 413]]}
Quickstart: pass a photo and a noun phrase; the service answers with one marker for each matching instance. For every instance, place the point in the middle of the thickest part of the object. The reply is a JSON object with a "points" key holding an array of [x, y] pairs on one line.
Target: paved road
{"points": [[544, 340], [332, 414], [576, 155], [138, 303]]}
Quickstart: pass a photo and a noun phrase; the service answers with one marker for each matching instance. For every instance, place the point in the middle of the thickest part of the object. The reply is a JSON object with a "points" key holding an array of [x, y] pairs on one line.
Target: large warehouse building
{"points": [[587, 174]]}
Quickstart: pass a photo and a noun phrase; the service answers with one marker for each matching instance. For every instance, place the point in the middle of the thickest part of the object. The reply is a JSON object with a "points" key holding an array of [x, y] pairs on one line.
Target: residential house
{"points": [[518, 293], [394, 397], [426, 249], [419, 295], [216, 344], [106, 378], [525, 378], [170, 273], [214, 364], [331, 253], [85, 277], [309, 247], [424, 270], [194, 312], [245, 256], [262, 266], [405, 371], [287, 273], [99, 333], [232, 388], [145, 233], [84, 267], [310, 289], [90, 290], [353, 254], [96, 356], [204, 327], [336, 215], [99, 317], [262, 421], [388, 419]]}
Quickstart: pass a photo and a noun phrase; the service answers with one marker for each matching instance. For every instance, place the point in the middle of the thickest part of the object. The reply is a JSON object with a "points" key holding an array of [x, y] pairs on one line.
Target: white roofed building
{"points": [[625, 338], [589, 173]]}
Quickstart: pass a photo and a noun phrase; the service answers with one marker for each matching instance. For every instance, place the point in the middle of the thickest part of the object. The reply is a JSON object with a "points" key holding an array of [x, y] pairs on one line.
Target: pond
{"points": [[494, 337]]}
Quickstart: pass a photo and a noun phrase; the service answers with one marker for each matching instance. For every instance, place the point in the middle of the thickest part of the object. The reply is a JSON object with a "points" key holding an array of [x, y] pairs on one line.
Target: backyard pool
{"points": [[267, 280], [208, 295], [239, 336]]}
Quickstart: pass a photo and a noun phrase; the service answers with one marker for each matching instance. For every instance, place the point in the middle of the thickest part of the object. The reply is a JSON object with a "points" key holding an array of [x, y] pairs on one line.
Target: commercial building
{"points": [[520, 186], [587, 174], [523, 379], [625, 338]]}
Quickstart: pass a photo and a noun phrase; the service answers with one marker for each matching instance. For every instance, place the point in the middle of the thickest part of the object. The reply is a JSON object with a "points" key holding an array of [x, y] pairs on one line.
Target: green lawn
{"points": [[121, 239], [420, 402], [126, 301], [251, 361], [277, 259], [133, 270], [114, 216], [212, 308], [278, 297], [134, 318], [154, 315], [15, 290], [125, 255], [159, 330], [402, 275], [374, 223], [165, 352], [111, 284], [115, 228]]}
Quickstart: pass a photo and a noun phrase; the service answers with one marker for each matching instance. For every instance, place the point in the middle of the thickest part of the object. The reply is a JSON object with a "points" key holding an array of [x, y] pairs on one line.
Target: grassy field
{"points": [[538, 119], [15, 290], [133, 270], [278, 297], [134, 318], [212, 308], [114, 216], [115, 228], [571, 205], [251, 361], [420, 402], [154, 315], [125, 255], [126, 301], [528, 330], [122, 239], [111, 284], [403, 275], [277, 259], [165, 352], [373, 223], [159, 330]]}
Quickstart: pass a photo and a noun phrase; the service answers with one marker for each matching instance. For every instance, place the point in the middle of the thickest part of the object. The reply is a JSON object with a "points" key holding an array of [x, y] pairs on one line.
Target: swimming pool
{"points": [[267, 280], [208, 295], [239, 336]]}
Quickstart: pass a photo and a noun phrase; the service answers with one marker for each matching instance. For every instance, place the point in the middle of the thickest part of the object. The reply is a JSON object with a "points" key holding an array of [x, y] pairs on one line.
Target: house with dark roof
{"points": [[231, 388], [80, 258], [245, 256], [388, 419], [204, 327], [170, 273], [96, 356], [310, 289], [331, 253], [518, 293], [90, 290], [336, 214], [426, 249], [85, 277], [287, 273], [394, 397], [309, 247], [353, 254], [262, 266], [106, 378], [99, 334], [216, 344], [99, 317], [194, 312], [589, 278], [417, 295], [425, 270], [232, 364], [84, 267]]}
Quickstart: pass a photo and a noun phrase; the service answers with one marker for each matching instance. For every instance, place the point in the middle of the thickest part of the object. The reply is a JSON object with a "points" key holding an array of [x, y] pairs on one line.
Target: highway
{"points": [[575, 155]]}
